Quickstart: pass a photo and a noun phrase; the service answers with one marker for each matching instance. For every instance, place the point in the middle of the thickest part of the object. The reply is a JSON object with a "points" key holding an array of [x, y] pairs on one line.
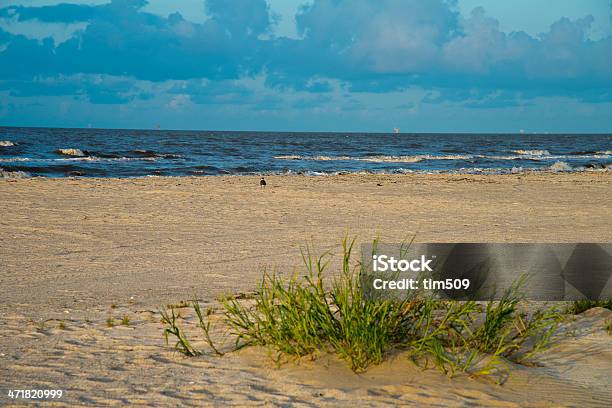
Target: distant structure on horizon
{"points": [[396, 130]]}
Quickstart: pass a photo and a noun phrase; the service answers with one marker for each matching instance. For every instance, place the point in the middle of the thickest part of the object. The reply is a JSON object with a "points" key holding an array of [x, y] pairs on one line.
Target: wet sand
{"points": [[81, 250]]}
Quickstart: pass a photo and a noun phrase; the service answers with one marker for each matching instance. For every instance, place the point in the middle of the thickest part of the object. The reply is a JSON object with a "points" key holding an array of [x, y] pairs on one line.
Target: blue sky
{"points": [[316, 65]]}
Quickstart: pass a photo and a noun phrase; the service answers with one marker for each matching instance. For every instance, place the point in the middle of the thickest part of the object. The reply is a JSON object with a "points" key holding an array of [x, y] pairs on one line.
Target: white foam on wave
{"points": [[516, 157], [6, 143], [70, 152], [403, 171], [598, 155], [105, 159], [313, 158], [377, 159], [76, 159], [560, 166], [532, 152], [519, 154], [390, 159], [14, 159], [4, 174]]}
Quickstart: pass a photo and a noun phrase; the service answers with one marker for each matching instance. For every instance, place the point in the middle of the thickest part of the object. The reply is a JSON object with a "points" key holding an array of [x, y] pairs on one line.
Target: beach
{"points": [[81, 250]]}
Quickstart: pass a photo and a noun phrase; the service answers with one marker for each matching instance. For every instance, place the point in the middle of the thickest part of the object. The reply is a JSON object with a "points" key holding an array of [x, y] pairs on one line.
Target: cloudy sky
{"points": [[308, 65]]}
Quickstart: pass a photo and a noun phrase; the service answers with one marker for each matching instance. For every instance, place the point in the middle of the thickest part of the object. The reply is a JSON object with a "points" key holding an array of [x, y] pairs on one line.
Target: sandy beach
{"points": [[79, 251]]}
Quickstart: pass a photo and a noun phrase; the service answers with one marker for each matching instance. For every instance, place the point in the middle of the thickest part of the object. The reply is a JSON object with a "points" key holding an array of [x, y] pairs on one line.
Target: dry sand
{"points": [[79, 251]]}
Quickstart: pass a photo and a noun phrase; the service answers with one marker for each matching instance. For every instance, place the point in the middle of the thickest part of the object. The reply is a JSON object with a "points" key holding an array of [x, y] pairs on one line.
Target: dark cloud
{"points": [[97, 89], [214, 92], [121, 39], [366, 45], [478, 98], [65, 13]]}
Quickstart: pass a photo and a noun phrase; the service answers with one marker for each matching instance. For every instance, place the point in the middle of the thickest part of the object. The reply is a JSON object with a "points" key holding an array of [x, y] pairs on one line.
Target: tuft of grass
{"points": [[205, 325], [608, 327], [579, 306], [125, 321], [113, 306], [110, 322], [61, 325], [182, 344], [303, 316]]}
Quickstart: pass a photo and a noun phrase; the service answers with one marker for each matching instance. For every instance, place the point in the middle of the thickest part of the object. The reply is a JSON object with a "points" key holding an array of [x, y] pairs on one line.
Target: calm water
{"points": [[136, 153]]}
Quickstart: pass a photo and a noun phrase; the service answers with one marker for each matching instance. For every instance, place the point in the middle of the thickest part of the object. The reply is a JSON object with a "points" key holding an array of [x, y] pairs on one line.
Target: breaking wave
{"points": [[556, 167], [377, 159], [70, 152], [532, 152], [75, 159], [5, 174], [105, 159], [560, 166], [536, 155], [131, 155], [14, 159], [6, 143], [414, 159], [92, 156]]}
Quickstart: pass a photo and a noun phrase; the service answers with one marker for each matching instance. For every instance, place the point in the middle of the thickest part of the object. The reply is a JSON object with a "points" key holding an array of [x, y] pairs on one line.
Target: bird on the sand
{"points": [[262, 182]]}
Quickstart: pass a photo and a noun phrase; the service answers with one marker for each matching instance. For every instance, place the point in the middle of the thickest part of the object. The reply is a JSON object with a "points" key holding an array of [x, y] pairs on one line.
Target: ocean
{"points": [[47, 152]]}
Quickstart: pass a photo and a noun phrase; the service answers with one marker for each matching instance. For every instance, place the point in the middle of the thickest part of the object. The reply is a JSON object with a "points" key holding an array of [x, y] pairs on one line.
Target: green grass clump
{"points": [[110, 322], [608, 327], [579, 306], [182, 344], [301, 316], [205, 326], [125, 321]]}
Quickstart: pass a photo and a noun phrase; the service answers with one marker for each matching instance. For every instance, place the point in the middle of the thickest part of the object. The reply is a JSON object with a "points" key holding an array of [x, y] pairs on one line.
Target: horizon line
{"points": [[519, 133]]}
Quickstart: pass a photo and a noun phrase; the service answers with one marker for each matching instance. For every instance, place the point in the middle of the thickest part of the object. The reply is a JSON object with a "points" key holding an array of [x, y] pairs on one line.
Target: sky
{"points": [[308, 65]]}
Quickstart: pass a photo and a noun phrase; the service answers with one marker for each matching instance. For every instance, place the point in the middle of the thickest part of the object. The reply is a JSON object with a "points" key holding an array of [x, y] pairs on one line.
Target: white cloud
{"points": [[179, 101]]}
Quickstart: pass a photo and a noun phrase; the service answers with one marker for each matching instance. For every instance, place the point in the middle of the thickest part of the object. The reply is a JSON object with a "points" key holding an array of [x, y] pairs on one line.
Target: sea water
{"points": [[138, 153]]}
